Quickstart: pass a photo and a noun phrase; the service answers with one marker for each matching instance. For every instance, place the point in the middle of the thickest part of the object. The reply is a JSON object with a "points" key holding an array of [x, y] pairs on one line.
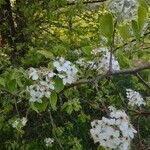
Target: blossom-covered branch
{"points": [[118, 72]]}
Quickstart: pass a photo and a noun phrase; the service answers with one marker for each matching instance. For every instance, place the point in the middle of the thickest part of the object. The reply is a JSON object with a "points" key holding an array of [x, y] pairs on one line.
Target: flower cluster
{"points": [[128, 8], [43, 84], [86, 64], [100, 62], [19, 123], [66, 70], [114, 132], [104, 62], [43, 79], [134, 98], [48, 141]]}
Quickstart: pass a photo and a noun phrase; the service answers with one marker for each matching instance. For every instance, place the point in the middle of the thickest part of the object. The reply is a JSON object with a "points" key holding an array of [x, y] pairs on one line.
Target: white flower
{"points": [[48, 141], [35, 93], [15, 124], [43, 86], [115, 132], [103, 60], [33, 74], [61, 64], [125, 143], [108, 122], [19, 123], [24, 121], [51, 74], [128, 8], [94, 135], [86, 64], [134, 98], [66, 70]]}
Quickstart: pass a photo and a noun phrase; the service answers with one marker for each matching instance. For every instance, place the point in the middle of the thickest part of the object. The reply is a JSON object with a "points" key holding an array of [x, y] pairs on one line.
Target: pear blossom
{"points": [[19, 123], [134, 98], [66, 70], [43, 86], [48, 142], [86, 64], [15, 124], [115, 132], [127, 8], [100, 61], [103, 61], [33, 74], [24, 121]]}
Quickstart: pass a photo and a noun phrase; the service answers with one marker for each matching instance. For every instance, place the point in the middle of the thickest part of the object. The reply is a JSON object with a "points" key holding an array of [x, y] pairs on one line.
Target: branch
{"points": [[86, 2], [112, 46], [148, 33], [117, 72], [133, 70]]}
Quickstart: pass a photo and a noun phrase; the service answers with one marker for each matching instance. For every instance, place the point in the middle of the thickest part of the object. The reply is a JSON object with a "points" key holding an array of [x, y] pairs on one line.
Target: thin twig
{"points": [[54, 126], [112, 46], [138, 134], [102, 102], [133, 40], [143, 81]]}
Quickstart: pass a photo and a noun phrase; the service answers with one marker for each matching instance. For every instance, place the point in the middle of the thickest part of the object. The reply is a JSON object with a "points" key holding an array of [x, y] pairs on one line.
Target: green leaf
{"points": [[2, 2], [53, 100], [59, 50], [69, 109], [50, 65], [2, 81], [39, 107], [59, 86], [123, 61], [47, 54], [124, 31], [135, 29], [144, 4], [87, 50], [106, 25], [12, 85], [142, 17], [100, 148]]}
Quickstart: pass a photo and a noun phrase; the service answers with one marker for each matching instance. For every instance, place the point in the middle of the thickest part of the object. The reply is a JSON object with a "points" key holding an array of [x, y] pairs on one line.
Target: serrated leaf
{"points": [[135, 29], [142, 17], [53, 100], [46, 54], [59, 86], [106, 25]]}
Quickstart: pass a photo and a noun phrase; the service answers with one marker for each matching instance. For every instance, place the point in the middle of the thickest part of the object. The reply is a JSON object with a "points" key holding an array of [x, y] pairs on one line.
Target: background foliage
{"points": [[33, 34]]}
